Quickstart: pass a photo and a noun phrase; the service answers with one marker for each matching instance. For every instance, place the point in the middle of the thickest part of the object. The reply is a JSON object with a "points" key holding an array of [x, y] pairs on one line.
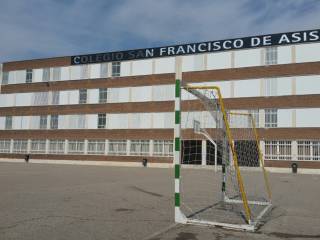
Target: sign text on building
{"points": [[201, 47]]}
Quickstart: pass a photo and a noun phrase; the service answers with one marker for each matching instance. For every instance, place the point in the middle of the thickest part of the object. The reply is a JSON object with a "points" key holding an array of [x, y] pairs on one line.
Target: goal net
{"points": [[238, 195]]}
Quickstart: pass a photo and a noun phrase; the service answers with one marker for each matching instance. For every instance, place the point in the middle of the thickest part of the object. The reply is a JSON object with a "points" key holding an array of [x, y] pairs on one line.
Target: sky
{"points": [[48, 28]]}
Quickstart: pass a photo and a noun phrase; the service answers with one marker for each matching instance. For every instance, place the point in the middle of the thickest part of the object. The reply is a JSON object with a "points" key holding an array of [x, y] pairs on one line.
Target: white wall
{"points": [[118, 95], [92, 121], [141, 94], [308, 84], [247, 58], [20, 76], [163, 93], [64, 98], [23, 99], [247, 88], [163, 120], [142, 67], [308, 52], [37, 75], [284, 55], [65, 73], [74, 97], [117, 121], [140, 120], [35, 122], [7, 100], [308, 117], [62, 122], [193, 63], [219, 60], [95, 70], [2, 122], [93, 96], [165, 65], [75, 72], [125, 69], [284, 86], [284, 118]]}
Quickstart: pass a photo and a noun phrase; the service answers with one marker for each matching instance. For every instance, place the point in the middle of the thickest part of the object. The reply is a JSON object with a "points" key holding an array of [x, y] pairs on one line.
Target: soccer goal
{"points": [[238, 196]]}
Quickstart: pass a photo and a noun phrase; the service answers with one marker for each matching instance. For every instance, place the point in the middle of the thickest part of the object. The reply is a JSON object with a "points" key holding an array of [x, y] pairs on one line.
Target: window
{"points": [[56, 146], [102, 120], [5, 146], [162, 148], [54, 121], [76, 147], [271, 56], [271, 118], [104, 70], [284, 150], [116, 69], [315, 150], [139, 147], [29, 75], [103, 94], [55, 98], [38, 146], [43, 122], [96, 146], [278, 150], [5, 77], [8, 123], [270, 88], [83, 96], [46, 75], [20, 146], [56, 72], [117, 147], [271, 151], [308, 150]]}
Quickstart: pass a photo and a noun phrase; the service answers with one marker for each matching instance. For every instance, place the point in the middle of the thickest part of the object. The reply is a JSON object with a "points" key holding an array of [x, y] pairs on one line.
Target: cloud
{"points": [[47, 28]]}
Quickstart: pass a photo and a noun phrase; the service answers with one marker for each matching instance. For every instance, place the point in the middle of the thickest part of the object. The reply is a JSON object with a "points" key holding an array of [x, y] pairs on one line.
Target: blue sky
{"points": [[48, 28]]}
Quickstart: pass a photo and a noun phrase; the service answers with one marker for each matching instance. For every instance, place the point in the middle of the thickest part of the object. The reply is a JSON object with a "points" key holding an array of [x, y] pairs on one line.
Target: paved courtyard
{"points": [[46, 201]]}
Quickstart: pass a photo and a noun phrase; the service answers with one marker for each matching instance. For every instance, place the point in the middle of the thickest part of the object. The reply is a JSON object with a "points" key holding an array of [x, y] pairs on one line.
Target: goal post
{"points": [[232, 207]]}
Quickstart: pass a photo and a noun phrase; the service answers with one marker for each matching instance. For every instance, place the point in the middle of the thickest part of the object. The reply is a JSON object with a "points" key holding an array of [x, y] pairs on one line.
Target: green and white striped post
{"points": [[178, 216]]}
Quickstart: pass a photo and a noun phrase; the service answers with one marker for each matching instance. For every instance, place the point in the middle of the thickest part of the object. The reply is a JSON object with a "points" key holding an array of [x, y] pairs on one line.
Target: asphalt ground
{"points": [[48, 201]]}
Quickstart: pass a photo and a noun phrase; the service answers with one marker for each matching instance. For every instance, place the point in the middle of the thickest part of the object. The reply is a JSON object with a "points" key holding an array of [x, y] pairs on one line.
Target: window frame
{"points": [[43, 122], [20, 146], [271, 55], [116, 69], [5, 145], [57, 143], [76, 146], [102, 120], [29, 75], [278, 150], [271, 118], [36, 146], [103, 95], [83, 92], [94, 147], [117, 147], [54, 121], [140, 147]]}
